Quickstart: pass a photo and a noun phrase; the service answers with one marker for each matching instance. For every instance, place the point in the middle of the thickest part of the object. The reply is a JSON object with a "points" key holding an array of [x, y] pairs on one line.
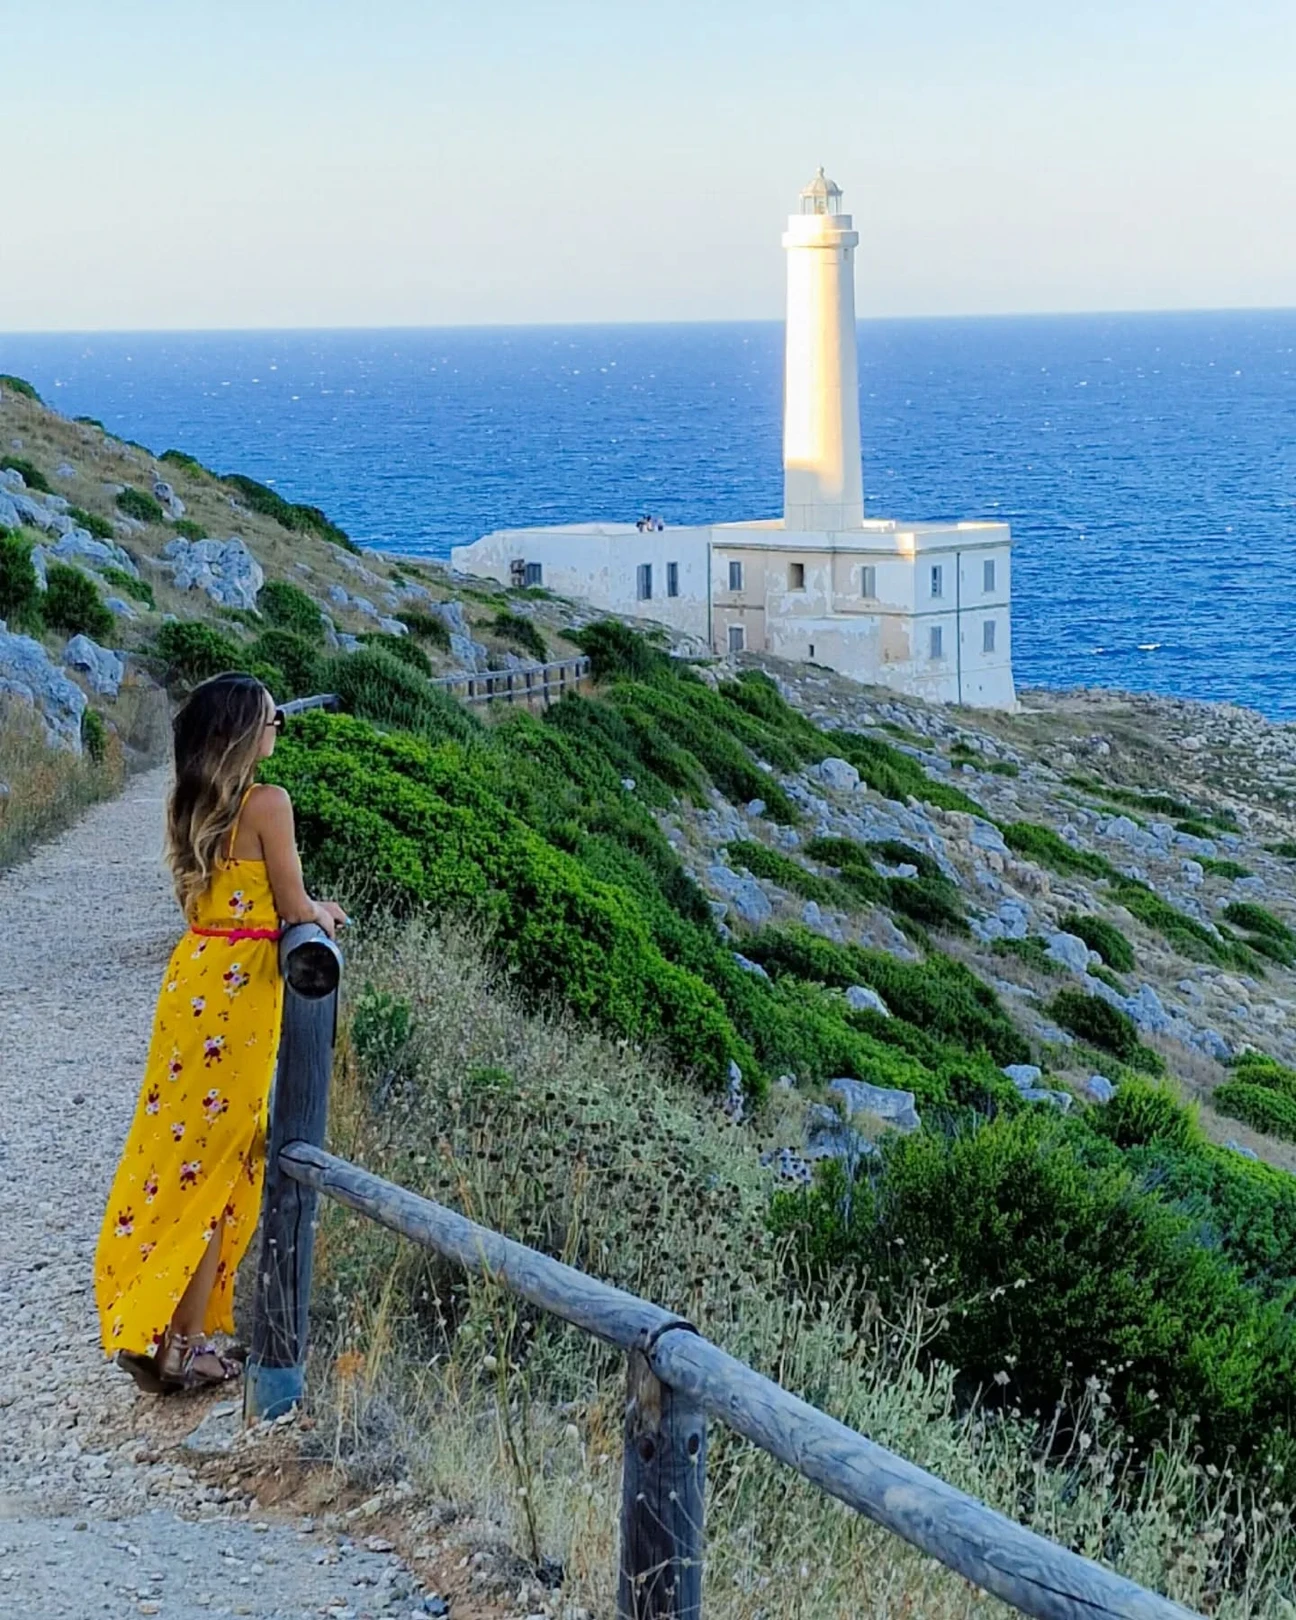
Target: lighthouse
{"points": [[823, 489]]}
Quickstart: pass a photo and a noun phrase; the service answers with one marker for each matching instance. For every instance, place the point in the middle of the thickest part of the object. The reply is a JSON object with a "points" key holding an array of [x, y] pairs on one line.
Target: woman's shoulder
{"points": [[266, 802]]}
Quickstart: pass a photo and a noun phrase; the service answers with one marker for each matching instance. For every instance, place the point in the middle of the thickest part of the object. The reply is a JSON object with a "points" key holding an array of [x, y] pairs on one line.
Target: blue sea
{"points": [[1147, 463]]}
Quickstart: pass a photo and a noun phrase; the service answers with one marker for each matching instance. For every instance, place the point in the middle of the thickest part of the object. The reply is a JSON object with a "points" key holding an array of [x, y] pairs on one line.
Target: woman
{"points": [[187, 1193]]}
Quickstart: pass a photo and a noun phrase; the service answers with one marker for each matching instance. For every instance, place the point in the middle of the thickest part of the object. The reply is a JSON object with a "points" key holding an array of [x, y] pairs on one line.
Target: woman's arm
{"points": [[270, 813]]}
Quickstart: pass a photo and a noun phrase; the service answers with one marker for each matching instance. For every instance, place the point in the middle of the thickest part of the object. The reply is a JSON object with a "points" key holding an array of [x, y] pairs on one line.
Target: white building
{"points": [[923, 607]]}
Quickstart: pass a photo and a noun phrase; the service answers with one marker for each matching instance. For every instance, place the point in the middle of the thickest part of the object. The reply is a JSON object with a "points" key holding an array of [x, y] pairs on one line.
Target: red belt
{"points": [[235, 934]]}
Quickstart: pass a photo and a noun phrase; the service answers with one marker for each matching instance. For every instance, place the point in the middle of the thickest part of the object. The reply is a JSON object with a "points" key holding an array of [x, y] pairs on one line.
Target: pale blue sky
{"points": [[389, 162]]}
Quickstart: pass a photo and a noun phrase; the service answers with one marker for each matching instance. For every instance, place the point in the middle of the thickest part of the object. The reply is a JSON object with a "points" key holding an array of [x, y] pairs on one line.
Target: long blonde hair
{"points": [[217, 736]]}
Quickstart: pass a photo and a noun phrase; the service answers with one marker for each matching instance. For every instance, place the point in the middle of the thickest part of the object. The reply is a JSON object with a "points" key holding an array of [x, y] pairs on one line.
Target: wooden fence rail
{"points": [[534, 683], [677, 1379]]}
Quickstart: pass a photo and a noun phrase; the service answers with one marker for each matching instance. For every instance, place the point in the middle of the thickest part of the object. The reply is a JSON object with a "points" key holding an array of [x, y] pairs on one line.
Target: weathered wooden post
{"points": [[662, 1496], [276, 1368]]}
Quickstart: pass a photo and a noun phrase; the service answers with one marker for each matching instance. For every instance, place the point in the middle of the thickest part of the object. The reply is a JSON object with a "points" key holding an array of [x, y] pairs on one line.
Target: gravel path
{"points": [[103, 1510]]}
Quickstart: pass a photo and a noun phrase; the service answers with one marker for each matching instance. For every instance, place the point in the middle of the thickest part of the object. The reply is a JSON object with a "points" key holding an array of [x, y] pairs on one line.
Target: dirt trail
{"points": [[104, 1509]]}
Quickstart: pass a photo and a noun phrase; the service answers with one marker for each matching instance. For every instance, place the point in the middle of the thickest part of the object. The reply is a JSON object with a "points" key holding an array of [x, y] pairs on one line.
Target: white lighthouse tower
{"points": [[823, 490]]}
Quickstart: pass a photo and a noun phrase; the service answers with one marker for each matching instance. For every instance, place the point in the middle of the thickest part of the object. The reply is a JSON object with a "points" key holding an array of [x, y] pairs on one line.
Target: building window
{"points": [[937, 641], [796, 576], [737, 635], [988, 636], [938, 580], [735, 576], [672, 579], [812, 649], [868, 582], [988, 575], [645, 582]]}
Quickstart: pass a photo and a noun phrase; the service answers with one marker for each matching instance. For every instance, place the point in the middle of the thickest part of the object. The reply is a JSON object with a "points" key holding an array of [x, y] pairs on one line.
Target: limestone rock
{"points": [[1061, 1100], [1099, 1089], [28, 674], [102, 668], [170, 502], [1069, 951], [1024, 1075], [77, 546], [895, 1107], [863, 998], [224, 569], [838, 774]]}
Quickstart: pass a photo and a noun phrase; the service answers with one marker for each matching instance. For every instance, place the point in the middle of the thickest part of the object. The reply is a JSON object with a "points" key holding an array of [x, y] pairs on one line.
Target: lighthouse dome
{"points": [[821, 196]]}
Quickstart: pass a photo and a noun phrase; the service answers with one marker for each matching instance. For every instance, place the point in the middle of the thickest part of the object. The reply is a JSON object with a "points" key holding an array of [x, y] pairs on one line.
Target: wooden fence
{"points": [[535, 683], [677, 1379]]}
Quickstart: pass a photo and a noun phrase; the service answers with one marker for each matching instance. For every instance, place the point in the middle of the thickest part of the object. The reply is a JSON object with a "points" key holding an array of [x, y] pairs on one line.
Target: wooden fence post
{"points": [[662, 1499], [276, 1366]]}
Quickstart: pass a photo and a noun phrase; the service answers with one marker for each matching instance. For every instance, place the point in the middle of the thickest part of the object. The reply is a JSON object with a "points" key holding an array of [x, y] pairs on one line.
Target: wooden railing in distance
{"points": [[677, 1378], [534, 683]]}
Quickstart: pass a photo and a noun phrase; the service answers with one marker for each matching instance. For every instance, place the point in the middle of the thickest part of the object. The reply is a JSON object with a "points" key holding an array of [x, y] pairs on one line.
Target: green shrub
{"points": [[427, 627], [616, 652], [1047, 1264], [140, 506], [194, 652], [1189, 937], [72, 603], [930, 902], [92, 523], [187, 529], [31, 474], [1091, 1019], [139, 590], [894, 852], [1143, 1113], [94, 735], [376, 686], [1273, 1112], [19, 385], [297, 518], [854, 864], [1043, 846], [1224, 869], [297, 660], [938, 995], [20, 592], [287, 607], [764, 862], [1286, 847], [382, 1031], [186, 463], [248, 617], [1261, 1070], [405, 648], [1033, 951], [90, 421], [894, 774], [1103, 937], [1254, 919], [522, 633]]}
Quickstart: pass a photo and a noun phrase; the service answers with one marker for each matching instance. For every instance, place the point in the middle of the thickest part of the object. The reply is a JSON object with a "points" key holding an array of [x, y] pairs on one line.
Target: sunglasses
{"points": [[277, 721]]}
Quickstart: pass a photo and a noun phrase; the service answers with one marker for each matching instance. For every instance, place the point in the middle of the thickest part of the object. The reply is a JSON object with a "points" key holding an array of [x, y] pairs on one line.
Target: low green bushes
{"points": [[1265, 933], [430, 627], [1091, 1019], [1033, 951], [1232, 870], [193, 652], [1049, 1265], [404, 648], [894, 774], [288, 514], [186, 463], [72, 603], [929, 902], [139, 590], [19, 385], [522, 633], [1043, 846], [286, 606], [296, 661], [135, 503], [187, 529], [20, 592], [764, 862], [92, 523], [376, 686], [1146, 1113], [855, 865], [616, 653], [1103, 937], [1261, 1094], [30, 473], [1189, 937], [94, 735]]}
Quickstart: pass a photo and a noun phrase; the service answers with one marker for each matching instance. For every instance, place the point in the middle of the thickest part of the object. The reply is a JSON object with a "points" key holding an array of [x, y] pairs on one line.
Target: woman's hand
{"points": [[329, 915]]}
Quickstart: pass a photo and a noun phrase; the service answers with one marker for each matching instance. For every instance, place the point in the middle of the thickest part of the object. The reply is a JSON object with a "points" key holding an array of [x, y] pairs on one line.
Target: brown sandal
{"points": [[177, 1369]]}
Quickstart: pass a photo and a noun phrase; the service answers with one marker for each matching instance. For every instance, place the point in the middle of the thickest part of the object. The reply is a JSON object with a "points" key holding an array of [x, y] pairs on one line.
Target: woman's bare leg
{"points": [[191, 1312]]}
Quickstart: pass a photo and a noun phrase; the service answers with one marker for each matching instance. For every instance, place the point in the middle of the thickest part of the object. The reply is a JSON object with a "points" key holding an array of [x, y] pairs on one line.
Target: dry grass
{"points": [[47, 788], [508, 1426]]}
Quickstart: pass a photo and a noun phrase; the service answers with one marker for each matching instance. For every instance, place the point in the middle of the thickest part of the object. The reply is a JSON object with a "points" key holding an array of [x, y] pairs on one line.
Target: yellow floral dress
{"points": [[196, 1150]]}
